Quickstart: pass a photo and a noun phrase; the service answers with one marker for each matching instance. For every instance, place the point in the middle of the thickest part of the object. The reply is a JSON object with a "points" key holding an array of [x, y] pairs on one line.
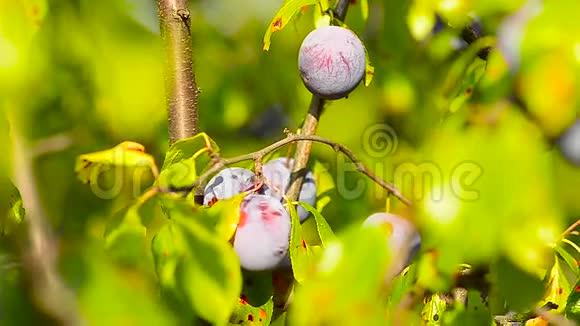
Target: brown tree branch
{"points": [[180, 86], [309, 127], [41, 257], [258, 155]]}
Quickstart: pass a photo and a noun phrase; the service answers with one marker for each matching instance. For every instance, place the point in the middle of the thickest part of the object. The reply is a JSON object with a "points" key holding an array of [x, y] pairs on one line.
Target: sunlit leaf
{"points": [[126, 154], [302, 255], [401, 286], [283, 17], [324, 231], [255, 305], [179, 167], [364, 9], [421, 19], [559, 285], [433, 310], [369, 70], [346, 286], [573, 303], [324, 184], [571, 262], [210, 273], [12, 209], [225, 214]]}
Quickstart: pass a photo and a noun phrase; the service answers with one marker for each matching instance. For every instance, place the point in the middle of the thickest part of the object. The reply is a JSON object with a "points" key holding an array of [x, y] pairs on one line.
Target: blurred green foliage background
{"points": [[80, 76]]}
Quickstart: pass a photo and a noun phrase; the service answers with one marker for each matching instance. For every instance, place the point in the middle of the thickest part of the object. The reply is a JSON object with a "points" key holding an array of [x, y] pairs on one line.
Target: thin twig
{"points": [[42, 256], [180, 86], [258, 155]]}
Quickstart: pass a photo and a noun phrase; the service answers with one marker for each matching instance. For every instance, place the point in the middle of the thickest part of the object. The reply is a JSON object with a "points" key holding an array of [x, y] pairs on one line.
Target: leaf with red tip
{"points": [[283, 17], [126, 154], [303, 256]]}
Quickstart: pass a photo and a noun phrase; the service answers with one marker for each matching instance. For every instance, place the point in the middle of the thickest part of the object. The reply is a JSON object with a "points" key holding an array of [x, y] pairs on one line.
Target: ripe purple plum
{"points": [[403, 239], [277, 178], [228, 183], [263, 234], [332, 62]]}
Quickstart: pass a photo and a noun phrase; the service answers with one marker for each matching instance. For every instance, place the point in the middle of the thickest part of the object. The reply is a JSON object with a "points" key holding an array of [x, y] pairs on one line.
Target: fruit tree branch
{"points": [[309, 127], [53, 295], [181, 90], [257, 156]]}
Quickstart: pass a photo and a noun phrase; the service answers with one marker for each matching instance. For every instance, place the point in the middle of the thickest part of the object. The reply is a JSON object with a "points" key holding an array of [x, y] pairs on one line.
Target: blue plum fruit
{"points": [[263, 234], [228, 183], [277, 178], [332, 62], [403, 239]]}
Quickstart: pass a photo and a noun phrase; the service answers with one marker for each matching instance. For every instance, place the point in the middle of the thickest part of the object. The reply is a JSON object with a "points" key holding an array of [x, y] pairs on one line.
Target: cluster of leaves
{"points": [[162, 259]]}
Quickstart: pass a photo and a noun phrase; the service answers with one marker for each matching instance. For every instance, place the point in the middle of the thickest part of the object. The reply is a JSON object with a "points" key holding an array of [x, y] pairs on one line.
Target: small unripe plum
{"points": [[277, 178], [569, 143], [403, 239], [228, 183], [332, 62], [263, 234]]}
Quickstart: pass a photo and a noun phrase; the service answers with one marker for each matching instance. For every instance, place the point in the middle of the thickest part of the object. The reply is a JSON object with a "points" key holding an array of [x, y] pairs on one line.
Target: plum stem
{"points": [[309, 127], [181, 90], [259, 155]]}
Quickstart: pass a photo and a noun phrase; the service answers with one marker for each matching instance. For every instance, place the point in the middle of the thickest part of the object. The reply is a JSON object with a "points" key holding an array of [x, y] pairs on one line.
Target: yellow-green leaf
{"points": [[283, 17], [179, 167], [126, 154]]}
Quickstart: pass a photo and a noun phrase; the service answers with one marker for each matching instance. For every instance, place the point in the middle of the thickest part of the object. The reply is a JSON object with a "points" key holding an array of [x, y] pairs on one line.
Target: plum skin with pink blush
{"points": [[332, 62], [262, 237]]}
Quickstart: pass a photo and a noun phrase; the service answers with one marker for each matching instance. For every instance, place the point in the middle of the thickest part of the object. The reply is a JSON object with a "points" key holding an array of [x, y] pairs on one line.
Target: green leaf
{"points": [[468, 83], [126, 154], [573, 303], [11, 208], [108, 295], [255, 305], [302, 255], [347, 286], [369, 70], [210, 274], [559, 285], [247, 314], [476, 313], [324, 185], [324, 231], [166, 255], [568, 258], [125, 236], [207, 272], [225, 215], [364, 9], [433, 310], [283, 17], [518, 288], [401, 285], [179, 166]]}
